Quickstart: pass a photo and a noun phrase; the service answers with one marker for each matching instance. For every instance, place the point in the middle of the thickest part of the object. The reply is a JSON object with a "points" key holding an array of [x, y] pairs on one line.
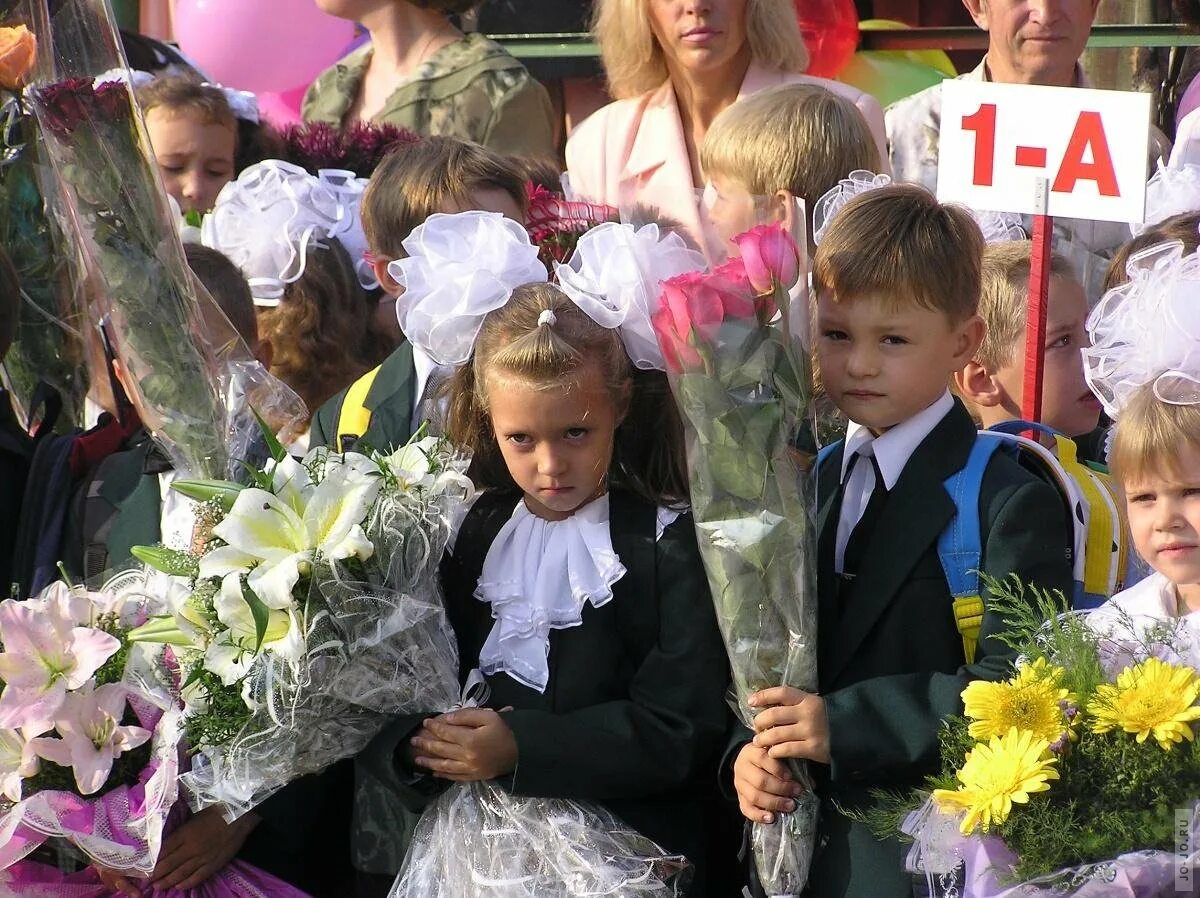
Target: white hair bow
{"points": [[997, 227], [615, 276], [242, 103], [1147, 331], [1173, 190], [268, 219]]}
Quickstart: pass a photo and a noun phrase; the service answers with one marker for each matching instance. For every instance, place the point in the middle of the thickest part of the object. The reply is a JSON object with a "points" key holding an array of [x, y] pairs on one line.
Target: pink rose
{"points": [[677, 354], [694, 304], [733, 284], [770, 256]]}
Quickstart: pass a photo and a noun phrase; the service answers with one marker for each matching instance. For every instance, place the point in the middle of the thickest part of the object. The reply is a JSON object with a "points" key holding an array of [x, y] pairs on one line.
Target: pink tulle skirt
{"points": [[29, 879]]}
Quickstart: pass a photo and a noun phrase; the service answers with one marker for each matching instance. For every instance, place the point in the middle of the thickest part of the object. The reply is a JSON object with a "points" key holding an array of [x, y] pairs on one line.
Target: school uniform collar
{"points": [[893, 449]]}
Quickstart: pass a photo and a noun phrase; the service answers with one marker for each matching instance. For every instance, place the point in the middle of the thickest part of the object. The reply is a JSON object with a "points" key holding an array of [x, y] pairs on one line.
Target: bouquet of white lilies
{"points": [[307, 612]]}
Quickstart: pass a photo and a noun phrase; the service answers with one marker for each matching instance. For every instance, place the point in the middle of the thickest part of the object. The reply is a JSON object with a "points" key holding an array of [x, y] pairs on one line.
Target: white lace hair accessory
{"points": [[614, 276], [268, 219], [997, 227], [1147, 331], [242, 103], [458, 268], [1171, 191]]}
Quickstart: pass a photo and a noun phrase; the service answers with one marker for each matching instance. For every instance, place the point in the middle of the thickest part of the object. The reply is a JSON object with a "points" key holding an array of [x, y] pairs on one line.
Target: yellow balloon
{"points": [[888, 79], [935, 59]]}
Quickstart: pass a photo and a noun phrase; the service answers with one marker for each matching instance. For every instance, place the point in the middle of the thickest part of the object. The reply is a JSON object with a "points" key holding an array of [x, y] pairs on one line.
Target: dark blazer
{"points": [[390, 401], [634, 714], [891, 661]]}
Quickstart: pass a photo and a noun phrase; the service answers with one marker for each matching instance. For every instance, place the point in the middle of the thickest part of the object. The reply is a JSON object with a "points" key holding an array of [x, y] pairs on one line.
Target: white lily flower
{"points": [[232, 653], [411, 465]]}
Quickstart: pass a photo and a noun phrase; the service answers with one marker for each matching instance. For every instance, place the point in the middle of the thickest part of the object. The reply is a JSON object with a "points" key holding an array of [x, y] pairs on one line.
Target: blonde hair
{"points": [[1002, 299], [416, 180], [513, 342], [796, 137], [899, 242], [1149, 435], [633, 59]]}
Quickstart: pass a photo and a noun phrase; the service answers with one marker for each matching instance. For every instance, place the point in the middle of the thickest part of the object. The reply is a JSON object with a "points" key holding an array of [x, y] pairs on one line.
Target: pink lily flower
{"points": [[45, 655], [89, 722], [18, 761]]}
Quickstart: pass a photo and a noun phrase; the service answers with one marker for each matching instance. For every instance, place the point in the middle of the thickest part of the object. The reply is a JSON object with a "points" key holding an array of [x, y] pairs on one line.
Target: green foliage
{"points": [[223, 717]]}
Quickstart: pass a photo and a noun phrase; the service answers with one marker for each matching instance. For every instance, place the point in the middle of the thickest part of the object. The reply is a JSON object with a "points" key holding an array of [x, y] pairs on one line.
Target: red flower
{"points": [[737, 294], [65, 104], [770, 257]]}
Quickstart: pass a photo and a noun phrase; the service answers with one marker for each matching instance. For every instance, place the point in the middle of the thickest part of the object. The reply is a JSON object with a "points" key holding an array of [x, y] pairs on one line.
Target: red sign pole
{"points": [[1035, 327]]}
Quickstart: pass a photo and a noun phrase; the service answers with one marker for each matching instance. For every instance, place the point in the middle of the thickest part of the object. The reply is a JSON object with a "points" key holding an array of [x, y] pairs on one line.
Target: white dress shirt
{"points": [[892, 450]]}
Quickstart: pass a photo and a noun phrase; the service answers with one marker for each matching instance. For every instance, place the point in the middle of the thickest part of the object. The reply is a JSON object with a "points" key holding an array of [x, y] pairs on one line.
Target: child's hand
{"points": [[793, 724], [466, 746], [763, 785], [200, 849], [117, 882]]}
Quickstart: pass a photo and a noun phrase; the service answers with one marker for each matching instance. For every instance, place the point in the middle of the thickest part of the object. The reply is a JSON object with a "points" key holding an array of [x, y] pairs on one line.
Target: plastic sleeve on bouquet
{"points": [[477, 836]]}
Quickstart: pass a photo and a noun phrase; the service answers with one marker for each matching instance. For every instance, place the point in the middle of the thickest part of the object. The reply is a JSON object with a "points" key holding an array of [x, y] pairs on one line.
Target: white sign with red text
{"points": [[998, 141]]}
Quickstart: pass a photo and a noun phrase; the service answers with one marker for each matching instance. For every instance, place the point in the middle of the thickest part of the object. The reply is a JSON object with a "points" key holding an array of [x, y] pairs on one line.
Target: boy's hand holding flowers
{"points": [[793, 724], [763, 785]]}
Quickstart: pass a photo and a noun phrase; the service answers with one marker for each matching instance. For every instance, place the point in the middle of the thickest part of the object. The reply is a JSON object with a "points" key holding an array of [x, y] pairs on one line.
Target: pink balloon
{"points": [[280, 109], [260, 45]]}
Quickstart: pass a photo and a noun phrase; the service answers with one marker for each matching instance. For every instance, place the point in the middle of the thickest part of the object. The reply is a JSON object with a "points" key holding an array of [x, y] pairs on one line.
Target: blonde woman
{"points": [[673, 66]]}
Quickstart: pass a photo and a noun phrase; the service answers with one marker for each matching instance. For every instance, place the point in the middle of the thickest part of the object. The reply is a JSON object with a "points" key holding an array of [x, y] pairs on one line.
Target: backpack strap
{"points": [[1104, 558], [354, 417], [960, 546], [825, 451]]}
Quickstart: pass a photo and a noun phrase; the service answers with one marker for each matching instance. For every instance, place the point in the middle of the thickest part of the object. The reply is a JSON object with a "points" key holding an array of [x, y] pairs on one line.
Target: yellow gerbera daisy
{"points": [[1152, 698], [998, 774], [1033, 700]]}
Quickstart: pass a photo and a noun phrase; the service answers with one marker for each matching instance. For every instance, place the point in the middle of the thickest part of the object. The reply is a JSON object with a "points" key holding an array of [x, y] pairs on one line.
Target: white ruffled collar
{"points": [[538, 575]]}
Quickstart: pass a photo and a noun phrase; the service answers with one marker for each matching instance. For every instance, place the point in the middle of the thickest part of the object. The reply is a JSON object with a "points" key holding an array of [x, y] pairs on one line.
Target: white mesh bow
{"points": [[615, 275], [997, 227], [1148, 331], [1171, 191], [242, 103], [268, 219], [458, 268]]}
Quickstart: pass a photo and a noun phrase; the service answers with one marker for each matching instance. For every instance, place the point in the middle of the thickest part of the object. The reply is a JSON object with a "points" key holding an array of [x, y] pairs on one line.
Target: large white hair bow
{"points": [[1173, 190], [268, 219], [997, 227], [615, 276], [1147, 331], [242, 103], [458, 268]]}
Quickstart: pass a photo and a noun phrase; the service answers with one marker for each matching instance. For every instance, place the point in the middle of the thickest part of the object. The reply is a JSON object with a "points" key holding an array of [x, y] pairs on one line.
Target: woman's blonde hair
{"points": [[646, 459], [633, 59], [1149, 436]]}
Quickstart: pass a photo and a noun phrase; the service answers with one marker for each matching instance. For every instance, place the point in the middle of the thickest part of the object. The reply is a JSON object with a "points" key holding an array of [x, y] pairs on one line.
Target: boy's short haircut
{"points": [[901, 244], [1149, 437], [180, 93], [1185, 228], [419, 179], [796, 137], [1003, 298], [227, 285]]}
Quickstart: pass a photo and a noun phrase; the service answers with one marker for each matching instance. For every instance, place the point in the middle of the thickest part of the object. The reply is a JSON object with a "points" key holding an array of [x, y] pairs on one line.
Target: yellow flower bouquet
{"points": [[1078, 776]]}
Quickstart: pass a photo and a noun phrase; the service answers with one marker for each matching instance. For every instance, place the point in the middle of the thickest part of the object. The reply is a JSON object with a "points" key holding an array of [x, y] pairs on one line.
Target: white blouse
{"points": [[538, 575], [1138, 618]]}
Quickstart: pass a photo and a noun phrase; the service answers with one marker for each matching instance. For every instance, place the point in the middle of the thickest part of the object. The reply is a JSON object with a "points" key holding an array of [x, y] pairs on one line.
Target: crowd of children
{"points": [[574, 582]]}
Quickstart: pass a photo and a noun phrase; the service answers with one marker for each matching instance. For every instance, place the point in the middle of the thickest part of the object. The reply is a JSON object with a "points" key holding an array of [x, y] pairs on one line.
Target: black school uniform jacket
{"points": [[891, 660], [633, 716]]}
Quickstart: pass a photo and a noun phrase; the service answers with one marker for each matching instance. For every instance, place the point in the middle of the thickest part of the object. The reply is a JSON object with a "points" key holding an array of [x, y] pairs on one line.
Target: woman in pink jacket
{"points": [[674, 65]]}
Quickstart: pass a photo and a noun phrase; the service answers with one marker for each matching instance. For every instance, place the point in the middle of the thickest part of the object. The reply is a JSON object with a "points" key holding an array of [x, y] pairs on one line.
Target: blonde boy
{"points": [[795, 141], [897, 282], [991, 383]]}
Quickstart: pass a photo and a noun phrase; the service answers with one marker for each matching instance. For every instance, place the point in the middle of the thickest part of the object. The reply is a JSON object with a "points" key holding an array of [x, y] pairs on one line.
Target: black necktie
{"points": [[856, 545]]}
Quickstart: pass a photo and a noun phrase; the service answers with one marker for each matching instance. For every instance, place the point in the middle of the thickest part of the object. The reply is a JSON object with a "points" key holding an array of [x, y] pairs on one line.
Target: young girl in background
{"points": [[574, 583]]}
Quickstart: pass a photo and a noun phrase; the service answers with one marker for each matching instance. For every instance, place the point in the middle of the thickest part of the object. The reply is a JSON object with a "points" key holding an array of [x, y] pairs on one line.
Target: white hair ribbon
{"points": [[615, 275], [242, 103], [267, 219], [1147, 331], [997, 227], [1173, 190], [457, 269]]}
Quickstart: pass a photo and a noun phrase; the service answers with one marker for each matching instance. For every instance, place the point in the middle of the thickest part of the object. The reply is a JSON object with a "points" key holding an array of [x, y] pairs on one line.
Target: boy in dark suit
{"points": [[894, 322], [385, 406]]}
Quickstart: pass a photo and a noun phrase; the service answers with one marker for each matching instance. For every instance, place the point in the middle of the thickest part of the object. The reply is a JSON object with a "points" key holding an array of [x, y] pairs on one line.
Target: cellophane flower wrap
{"points": [[733, 339], [87, 753], [48, 343], [1079, 777], [310, 616]]}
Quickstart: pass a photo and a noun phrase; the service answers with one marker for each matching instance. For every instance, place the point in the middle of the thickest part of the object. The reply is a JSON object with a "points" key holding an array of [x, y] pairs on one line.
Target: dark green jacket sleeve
{"points": [[673, 723], [887, 725], [323, 429]]}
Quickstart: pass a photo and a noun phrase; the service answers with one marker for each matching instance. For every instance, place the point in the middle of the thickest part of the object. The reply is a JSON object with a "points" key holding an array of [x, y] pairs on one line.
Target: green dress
{"points": [[471, 89]]}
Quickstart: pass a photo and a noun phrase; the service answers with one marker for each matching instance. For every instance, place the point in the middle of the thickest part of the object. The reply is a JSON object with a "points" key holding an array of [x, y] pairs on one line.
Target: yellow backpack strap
{"points": [[1103, 537], [968, 618], [355, 417]]}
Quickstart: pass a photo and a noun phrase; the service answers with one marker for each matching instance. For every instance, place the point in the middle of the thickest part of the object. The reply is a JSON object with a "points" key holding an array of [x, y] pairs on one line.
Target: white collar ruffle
{"points": [[538, 575]]}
